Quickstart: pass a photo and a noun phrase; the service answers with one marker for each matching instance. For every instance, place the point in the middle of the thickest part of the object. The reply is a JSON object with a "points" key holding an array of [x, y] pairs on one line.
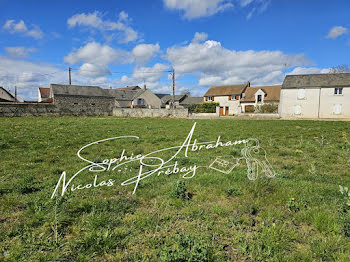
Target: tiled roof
{"points": [[316, 80], [226, 90], [192, 100], [80, 90], [44, 92], [272, 93], [130, 88]]}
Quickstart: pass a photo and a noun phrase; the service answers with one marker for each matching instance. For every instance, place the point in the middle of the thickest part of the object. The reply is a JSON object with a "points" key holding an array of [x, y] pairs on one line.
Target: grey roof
{"points": [[76, 90], [19, 99], [160, 96], [125, 95], [317, 80], [192, 100]]}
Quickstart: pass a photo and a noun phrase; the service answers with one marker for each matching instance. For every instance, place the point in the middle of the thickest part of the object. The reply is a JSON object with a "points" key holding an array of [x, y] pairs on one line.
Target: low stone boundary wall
{"points": [[204, 115], [257, 116], [144, 112], [42, 109]]}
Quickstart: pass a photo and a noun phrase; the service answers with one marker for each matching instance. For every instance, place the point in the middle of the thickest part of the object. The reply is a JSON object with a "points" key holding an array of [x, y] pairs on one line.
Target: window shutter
{"points": [[206, 98], [337, 109], [237, 97], [297, 109], [301, 93], [229, 97], [212, 99]]}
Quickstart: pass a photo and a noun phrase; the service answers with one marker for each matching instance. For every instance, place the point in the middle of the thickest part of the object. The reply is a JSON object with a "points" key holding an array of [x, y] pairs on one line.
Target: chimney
{"points": [[248, 84], [144, 87]]}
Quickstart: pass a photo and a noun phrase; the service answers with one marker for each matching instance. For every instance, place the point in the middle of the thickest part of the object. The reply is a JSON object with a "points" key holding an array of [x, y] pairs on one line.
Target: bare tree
{"points": [[339, 69]]}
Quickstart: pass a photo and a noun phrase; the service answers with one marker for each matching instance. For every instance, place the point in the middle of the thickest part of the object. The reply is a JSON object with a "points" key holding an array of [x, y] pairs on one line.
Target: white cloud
{"points": [[151, 76], [198, 8], [96, 58], [308, 70], [95, 20], [214, 64], [21, 28], [144, 52], [336, 31], [257, 6], [19, 51], [199, 37], [28, 76]]}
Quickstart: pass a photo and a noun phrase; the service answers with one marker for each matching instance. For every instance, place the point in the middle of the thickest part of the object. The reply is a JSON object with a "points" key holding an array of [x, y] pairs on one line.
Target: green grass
{"points": [[211, 217]]}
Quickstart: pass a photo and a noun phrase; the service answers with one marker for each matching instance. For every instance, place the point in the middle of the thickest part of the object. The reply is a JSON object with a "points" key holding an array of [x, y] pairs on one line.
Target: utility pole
{"points": [[70, 78], [174, 87]]}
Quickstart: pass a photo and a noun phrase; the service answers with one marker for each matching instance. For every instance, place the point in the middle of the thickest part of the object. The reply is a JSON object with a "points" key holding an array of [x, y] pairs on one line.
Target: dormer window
{"points": [[259, 98], [338, 91]]}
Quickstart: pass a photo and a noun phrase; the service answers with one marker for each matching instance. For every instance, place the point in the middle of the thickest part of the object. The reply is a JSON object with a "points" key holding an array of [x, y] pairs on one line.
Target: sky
{"points": [[136, 42]]}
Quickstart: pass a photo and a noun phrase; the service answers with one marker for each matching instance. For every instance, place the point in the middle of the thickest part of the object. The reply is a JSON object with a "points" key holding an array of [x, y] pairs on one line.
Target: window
{"points": [[337, 109], [259, 98], [140, 101], [297, 110], [301, 93], [123, 96], [338, 91], [211, 98]]}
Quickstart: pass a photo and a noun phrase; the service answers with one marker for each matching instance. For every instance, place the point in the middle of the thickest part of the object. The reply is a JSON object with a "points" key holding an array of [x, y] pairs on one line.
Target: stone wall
{"points": [[88, 106], [28, 109], [144, 112], [64, 108]]}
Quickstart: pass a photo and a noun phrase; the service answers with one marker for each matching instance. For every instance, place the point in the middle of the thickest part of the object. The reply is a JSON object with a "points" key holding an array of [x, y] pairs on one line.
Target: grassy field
{"points": [[300, 215]]}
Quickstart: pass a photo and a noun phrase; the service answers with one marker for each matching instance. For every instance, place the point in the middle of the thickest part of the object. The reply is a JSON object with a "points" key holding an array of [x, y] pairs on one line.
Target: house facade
{"points": [[255, 97], [228, 96], [237, 99], [315, 96]]}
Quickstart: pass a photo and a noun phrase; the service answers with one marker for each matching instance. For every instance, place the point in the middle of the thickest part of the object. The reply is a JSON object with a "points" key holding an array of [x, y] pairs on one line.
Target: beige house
{"points": [[315, 96], [254, 97], [228, 97]]}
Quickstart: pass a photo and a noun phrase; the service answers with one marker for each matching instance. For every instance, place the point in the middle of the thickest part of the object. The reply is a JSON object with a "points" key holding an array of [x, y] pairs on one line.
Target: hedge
{"points": [[203, 108]]}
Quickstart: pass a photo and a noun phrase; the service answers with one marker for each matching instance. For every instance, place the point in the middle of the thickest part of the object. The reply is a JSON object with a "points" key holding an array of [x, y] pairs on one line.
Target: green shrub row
{"points": [[203, 108]]}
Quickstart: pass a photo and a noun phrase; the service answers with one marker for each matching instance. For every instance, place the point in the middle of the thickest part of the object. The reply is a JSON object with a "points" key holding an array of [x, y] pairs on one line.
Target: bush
{"points": [[268, 108], [203, 108], [249, 109]]}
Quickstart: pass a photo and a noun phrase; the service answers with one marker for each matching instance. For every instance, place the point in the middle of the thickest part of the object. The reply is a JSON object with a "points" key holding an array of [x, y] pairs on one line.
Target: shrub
{"points": [[203, 108], [268, 108], [249, 109]]}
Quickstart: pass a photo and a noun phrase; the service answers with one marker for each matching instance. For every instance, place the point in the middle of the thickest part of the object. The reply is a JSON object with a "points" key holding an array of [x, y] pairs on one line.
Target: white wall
{"points": [[311, 107], [289, 100], [328, 100]]}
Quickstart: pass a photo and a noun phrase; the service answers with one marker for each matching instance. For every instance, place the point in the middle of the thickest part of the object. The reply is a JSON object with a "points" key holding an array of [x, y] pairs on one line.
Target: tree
{"points": [[339, 69]]}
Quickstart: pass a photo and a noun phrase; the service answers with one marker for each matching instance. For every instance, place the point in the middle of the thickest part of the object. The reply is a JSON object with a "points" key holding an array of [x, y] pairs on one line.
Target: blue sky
{"points": [[208, 42]]}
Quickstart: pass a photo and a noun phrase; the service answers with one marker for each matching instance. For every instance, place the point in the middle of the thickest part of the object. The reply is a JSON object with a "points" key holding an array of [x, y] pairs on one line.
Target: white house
{"points": [[315, 96], [227, 96], [255, 97]]}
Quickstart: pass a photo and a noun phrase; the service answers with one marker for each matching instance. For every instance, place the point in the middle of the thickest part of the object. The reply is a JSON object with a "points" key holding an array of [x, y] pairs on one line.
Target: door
{"points": [[221, 110], [226, 111]]}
